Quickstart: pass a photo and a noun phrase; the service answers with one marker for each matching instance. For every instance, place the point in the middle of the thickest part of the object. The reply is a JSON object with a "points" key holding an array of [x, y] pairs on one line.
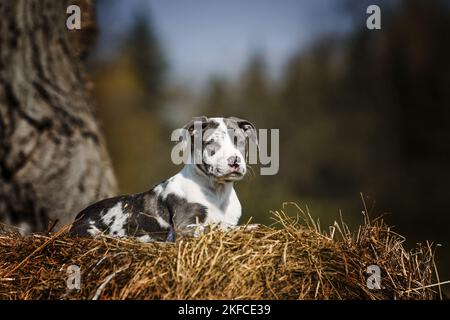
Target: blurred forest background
{"points": [[358, 110]]}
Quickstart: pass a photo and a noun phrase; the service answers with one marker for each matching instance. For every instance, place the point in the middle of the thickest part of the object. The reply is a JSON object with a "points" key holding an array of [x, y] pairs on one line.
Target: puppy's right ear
{"points": [[190, 129], [190, 126], [184, 139]]}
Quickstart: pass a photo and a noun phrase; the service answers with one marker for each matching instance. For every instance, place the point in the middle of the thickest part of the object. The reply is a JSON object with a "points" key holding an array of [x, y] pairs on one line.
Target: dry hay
{"points": [[294, 260]]}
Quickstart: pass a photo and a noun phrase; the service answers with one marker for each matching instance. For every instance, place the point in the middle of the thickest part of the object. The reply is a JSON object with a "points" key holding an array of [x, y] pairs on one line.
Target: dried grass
{"points": [[291, 260]]}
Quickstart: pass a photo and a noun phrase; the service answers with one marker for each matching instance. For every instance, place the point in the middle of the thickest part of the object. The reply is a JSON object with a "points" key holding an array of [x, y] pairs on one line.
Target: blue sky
{"points": [[212, 37]]}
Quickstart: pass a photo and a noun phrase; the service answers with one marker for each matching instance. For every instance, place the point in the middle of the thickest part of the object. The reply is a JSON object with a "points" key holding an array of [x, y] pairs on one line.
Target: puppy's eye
{"points": [[209, 142], [210, 151]]}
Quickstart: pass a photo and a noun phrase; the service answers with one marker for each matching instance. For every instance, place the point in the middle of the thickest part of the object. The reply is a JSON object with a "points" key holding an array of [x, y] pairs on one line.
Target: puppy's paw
{"points": [[252, 226], [193, 230]]}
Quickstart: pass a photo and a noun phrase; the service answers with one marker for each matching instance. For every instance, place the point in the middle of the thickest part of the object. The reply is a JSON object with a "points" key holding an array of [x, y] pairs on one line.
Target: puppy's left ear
{"points": [[248, 128]]}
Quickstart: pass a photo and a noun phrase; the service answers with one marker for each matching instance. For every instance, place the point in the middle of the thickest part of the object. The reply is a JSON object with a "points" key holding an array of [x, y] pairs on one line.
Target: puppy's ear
{"points": [[248, 128], [190, 129], [190, 126]]}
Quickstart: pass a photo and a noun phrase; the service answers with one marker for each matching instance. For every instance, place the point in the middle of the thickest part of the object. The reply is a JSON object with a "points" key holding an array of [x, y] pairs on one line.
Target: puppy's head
{"points": [[218, 146]]}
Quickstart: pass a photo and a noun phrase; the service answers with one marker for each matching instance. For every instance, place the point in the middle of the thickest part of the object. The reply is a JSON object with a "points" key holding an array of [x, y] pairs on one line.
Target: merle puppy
{"points": [[201, 193]]}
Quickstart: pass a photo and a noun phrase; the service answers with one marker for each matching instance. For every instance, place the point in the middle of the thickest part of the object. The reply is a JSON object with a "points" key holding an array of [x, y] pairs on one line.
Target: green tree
{"points": [[148, 58], [256, 94]]}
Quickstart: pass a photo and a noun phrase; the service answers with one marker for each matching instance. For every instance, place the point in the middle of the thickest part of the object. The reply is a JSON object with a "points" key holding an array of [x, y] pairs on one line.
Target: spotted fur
{"points": [[200, 194]]}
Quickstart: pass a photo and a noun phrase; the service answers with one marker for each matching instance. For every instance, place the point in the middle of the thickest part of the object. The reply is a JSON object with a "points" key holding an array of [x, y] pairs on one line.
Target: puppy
{"points": [[200, 194]]}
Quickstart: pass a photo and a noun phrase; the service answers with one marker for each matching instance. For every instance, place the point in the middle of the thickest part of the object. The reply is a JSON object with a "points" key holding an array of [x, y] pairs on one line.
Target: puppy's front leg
{"points": [[251, 226], [242, 227], [198, 229], [193, 230]]}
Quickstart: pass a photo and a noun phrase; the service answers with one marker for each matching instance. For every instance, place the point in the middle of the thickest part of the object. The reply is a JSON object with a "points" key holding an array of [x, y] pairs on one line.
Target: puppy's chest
{"points": [[215, 213], [219, 207]]}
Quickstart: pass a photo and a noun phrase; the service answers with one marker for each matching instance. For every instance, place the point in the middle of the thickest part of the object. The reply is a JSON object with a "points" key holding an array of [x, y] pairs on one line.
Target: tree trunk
{"points": [[53, 160]]}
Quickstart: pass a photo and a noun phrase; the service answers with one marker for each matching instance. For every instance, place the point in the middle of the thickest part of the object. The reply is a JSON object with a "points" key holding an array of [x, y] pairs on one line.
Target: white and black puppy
{"points": [[201, 193]]}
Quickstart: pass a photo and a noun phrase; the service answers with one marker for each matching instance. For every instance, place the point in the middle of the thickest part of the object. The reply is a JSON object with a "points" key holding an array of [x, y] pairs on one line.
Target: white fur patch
{"points": [[145, 238], [93, 230], [24, 228], [115, 218], [163, 224], [158, 189]]}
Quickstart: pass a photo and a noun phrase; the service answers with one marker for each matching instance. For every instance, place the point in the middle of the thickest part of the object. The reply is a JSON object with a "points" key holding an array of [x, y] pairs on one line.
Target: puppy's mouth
{"points": [[223, 176], [231, 176]]}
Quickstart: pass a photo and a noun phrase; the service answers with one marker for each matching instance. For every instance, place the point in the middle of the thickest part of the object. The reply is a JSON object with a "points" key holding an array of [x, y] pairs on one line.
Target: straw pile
{"points": [[291, 260]]}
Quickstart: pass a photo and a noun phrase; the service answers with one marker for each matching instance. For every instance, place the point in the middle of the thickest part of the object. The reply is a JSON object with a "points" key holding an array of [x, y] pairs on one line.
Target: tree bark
{"points": [[53, 159]]}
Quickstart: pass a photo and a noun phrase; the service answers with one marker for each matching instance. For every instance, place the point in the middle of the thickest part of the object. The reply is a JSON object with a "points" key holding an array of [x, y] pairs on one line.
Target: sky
{"points": [[202, 38]]}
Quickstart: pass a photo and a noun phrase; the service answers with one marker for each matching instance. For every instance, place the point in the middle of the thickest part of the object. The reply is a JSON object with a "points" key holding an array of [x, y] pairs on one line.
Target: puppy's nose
{"points": [[234, 161]]}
